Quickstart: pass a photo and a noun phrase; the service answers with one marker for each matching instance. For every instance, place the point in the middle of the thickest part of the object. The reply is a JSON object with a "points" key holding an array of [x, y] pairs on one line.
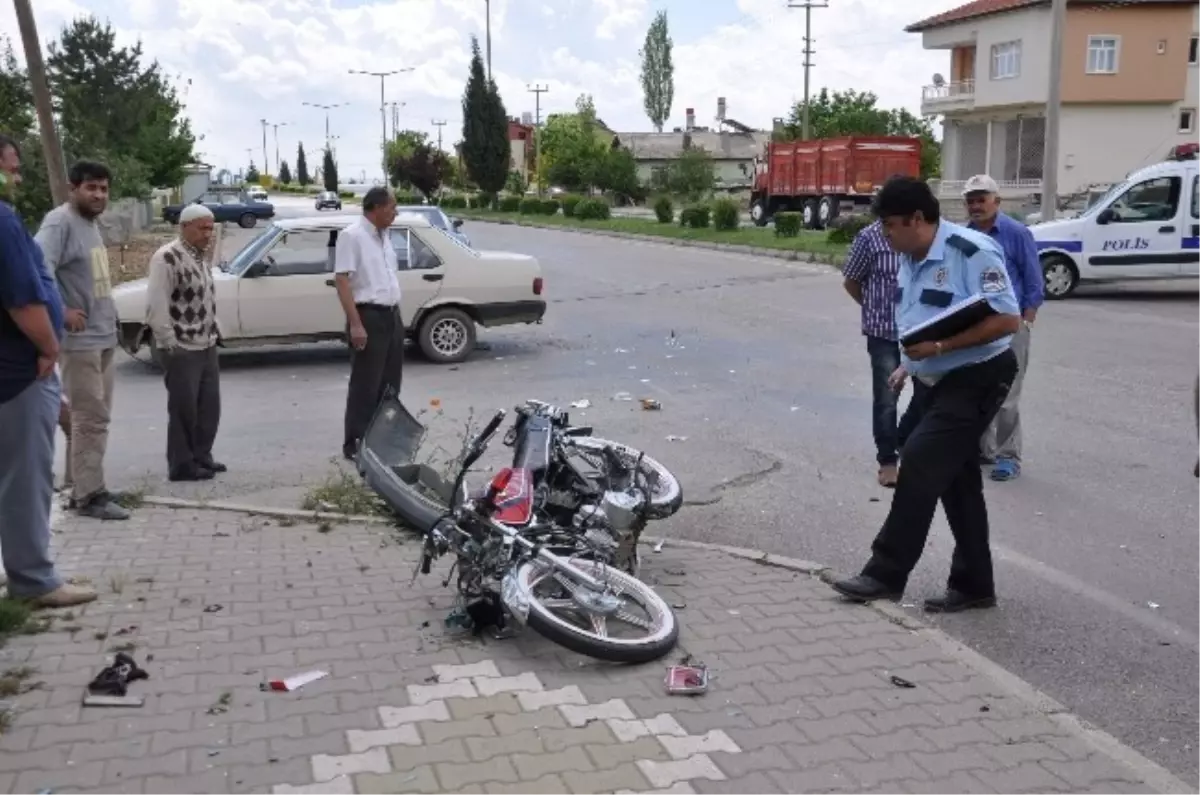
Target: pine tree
{"points": [[329, 171], [658, 72], [486, 151], [285, 173], [302, 175], [251, 175]]}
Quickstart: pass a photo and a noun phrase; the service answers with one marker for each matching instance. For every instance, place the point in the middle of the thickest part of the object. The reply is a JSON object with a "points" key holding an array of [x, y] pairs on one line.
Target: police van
{"points": [[1144, 227]]}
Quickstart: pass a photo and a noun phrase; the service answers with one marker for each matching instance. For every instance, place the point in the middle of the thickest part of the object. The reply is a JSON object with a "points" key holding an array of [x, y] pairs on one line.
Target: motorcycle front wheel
{"points": [[634, 625]]}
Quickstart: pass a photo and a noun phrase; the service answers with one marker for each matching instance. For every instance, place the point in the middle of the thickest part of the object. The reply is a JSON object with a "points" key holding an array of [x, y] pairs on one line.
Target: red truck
{"points": [[828, 177]]}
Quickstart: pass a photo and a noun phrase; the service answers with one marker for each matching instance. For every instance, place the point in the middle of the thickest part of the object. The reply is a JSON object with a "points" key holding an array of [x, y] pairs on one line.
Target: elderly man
{"points": [[182, 314], [31, 324], [368, 286], [1001, 443], [75, 253]]}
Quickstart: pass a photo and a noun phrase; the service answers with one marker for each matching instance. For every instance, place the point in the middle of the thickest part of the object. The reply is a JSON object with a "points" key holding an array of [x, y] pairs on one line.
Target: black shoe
{"points": [[191, 473], [956, 601], [215, 466], [350, 452], [865, 589]]}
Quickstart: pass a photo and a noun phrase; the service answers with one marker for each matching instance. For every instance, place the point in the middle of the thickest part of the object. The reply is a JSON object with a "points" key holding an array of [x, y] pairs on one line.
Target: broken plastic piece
{"points": [[659, 546], [582, 404], [298, 681], [674, 438], [900, 681], [687, 680], [650, 404], [622, 396], [113, 680], [93, 700]]}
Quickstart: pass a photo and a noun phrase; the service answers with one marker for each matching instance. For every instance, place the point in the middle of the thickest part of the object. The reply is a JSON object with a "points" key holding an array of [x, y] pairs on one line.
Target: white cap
{"points": [[980, 183], [193, 212]]}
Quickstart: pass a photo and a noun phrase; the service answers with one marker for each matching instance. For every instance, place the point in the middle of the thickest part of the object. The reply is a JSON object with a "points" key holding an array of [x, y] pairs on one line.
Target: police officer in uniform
{"points": [[959, 384]]}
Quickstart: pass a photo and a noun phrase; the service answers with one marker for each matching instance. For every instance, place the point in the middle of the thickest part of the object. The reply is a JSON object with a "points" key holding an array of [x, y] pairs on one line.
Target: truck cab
{"points": [[1145, 227]]}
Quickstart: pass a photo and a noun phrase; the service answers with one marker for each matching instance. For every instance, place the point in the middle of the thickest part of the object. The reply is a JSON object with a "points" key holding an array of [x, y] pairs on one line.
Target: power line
{"points": [[808, 6]]}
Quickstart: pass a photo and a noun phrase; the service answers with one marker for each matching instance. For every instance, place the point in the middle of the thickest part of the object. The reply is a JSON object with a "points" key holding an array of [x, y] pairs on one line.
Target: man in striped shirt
{"points": [[870, 279]]}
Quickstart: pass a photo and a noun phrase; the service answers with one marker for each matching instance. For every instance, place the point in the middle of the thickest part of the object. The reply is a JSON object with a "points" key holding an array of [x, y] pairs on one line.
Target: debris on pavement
{"points": [[673, 438], [659, 546], [1153, 605], [114, 679], [900, 681], [296, 682], [624, 397], [620, 350], [93, 700], [650, 404], [213, 608], [687, 680], [582, 404], [222, 704]]}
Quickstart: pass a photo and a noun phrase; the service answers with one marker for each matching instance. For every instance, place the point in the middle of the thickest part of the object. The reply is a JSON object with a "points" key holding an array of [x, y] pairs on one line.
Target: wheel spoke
{"points": [[599, 625], [625, 617], [559, 604]]}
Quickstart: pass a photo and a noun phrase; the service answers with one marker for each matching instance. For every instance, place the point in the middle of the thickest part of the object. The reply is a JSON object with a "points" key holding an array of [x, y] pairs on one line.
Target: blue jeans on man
{"points": [[885, 358]]}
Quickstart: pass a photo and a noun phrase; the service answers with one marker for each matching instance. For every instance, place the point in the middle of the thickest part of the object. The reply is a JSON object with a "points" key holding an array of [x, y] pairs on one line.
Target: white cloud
{"points": [[263, 59]]}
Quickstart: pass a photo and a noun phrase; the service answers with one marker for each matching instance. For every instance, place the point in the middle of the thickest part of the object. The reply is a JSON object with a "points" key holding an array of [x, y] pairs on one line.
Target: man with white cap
{"points": [[182, 314], [1001, 443]]}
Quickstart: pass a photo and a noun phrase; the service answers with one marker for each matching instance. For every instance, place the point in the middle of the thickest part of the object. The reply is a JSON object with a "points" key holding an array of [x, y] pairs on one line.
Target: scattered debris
{"points": [[673, 438], [93, 700], [101, 635], [679, 605], [659, 546], [115, 678], [687, 680], [296, 682], [624, 397], [129, 630], [1153, 605], [325, 527], [620, 350], [214, 608], [582, 404], [650, 404], [900, 681], [985, 708], [117, 583], [432, 679], [222, 704], [672, 340]]}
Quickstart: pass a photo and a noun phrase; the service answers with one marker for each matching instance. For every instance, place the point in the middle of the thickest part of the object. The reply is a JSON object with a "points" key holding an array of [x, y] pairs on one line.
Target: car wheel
{"points": [[1060, 276], [758, 212], [827, 210], [447, 336], [810, 214], [247, 221]]}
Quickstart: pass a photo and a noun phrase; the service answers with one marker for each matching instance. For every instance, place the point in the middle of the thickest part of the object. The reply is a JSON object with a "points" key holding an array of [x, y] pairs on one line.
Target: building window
{"points": [[1187, 120], [1102, 55], [1192, 50], [1006, 60]]}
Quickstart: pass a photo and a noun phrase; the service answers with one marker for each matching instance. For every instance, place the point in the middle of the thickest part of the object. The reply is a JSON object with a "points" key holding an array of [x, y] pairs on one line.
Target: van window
{"points": [[1196, 195], [1153, 200]]}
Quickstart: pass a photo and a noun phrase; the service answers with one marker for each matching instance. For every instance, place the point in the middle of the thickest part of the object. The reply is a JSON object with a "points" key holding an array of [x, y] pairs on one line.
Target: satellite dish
{"points": [[938, 80]]}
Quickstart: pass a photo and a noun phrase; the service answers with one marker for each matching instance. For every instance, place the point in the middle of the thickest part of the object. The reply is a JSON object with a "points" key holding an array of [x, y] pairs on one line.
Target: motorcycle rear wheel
{"points": [[666, 495], [547, 619]]}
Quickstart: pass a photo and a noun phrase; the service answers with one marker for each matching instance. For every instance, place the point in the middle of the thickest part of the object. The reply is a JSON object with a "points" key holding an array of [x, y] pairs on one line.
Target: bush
{"points": [[549, 207], [408, 199], [788, 224], [725, 214], [529, 206], [843, 229], [454, 202], [569, 203], [345, 194], [592, 210], [664, 209], [509, 204], [487, 201], [695, 217]]}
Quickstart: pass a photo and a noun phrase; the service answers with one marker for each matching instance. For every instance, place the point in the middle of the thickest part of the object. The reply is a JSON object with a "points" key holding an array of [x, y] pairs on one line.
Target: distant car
{"points": [[436, 217], [328, 200], [279, 289], [257, 192], [226, 207]]}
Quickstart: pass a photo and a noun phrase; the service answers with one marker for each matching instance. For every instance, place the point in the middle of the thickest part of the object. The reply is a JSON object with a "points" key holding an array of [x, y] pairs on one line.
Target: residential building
{"points": [[522, 142], [1128, 88], [733, 150]]}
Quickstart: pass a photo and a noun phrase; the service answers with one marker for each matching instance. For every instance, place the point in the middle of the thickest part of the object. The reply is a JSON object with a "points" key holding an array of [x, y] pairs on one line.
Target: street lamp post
{"points": [[487, 12], [266, 160], [383, 76], [276, 128], [326, 108]]}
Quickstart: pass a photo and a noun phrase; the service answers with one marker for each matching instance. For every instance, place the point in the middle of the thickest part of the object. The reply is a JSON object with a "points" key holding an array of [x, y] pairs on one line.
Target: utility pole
{"points": [[808, 6], [395, 106], [383, 76], [51, 145], [537, 90], [439, 123], [266, 160], [1058, 14], [487, 6], [325, 108], [276, 128]]}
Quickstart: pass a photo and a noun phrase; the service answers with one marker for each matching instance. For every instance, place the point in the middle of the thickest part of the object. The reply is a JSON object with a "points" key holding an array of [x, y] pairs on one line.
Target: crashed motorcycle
{"points": [[551, 542]]}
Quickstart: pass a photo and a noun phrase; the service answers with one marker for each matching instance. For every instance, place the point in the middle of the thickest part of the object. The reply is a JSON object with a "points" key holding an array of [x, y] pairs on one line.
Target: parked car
{"points": [[328, 200], [438, 218], [279, 289], [226, 207], [257, 192]]}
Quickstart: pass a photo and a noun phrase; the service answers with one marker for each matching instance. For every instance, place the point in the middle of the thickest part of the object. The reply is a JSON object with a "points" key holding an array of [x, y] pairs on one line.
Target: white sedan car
{"points": [[279, 289]]}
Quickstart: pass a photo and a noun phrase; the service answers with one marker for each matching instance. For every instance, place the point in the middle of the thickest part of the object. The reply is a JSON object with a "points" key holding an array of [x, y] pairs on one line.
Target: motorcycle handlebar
{"points": [[492, 425]]}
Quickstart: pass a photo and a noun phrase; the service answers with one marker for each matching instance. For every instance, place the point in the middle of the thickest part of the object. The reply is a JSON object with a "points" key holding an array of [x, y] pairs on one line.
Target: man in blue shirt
{"points": [[958, 385], [1001, 443], [31, 326]]}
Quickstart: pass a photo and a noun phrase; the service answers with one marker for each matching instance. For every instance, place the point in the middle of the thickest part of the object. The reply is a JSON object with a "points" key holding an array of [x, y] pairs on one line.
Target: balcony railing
{"points": [[958, 95]]}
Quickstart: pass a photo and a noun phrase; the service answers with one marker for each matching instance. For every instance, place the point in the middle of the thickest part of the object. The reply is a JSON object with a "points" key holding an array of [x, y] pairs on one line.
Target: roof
{"points": [[669, 145], [984, 8]]}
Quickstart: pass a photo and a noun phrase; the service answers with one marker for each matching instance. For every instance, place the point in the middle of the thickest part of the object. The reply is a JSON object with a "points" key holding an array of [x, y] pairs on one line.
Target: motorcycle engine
{"points": [[606, 522]]}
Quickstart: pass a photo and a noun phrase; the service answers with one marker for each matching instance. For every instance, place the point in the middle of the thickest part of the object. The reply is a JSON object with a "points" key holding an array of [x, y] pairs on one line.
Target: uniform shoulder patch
{"points": [[960, 243], [993, 279]]}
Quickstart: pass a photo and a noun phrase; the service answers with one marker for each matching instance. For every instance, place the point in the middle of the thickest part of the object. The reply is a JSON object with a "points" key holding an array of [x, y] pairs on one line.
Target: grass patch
{"points": [[345, 493], [808, 241]]}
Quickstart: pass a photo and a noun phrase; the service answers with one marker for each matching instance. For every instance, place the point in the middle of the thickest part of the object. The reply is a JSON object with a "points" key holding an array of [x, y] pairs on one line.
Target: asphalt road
{"points": [[759, 364]]}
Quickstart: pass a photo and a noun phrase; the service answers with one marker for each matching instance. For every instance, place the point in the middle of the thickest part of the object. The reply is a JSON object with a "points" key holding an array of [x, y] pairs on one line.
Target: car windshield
{"points": [[251, 252], [432, 214]]}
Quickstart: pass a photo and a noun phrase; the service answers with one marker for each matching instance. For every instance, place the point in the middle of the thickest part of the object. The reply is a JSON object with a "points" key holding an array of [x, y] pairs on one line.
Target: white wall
{"points": [[1103, 143], [1030, 26]]}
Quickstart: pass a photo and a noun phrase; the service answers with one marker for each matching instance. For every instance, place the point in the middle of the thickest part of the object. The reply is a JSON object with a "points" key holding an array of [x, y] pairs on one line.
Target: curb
{"points": [[809, 257], [1151, 773]]}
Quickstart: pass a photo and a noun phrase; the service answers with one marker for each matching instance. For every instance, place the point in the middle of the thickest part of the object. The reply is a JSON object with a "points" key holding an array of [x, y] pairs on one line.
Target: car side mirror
{"points": [[260, 268], [457, 223], [1106, 216]]}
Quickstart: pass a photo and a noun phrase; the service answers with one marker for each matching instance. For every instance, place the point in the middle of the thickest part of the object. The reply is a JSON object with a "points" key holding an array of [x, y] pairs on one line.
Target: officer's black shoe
{"points": [[864, 589], [956, 601]]}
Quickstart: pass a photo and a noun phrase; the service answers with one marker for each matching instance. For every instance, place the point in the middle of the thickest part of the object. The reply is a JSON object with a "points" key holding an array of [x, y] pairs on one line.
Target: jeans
{"points": [[885, 358], [27, 426]]}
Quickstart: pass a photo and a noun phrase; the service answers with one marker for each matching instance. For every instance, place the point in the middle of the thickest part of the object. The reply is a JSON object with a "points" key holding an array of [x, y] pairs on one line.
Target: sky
{"points": [[239, 61]]}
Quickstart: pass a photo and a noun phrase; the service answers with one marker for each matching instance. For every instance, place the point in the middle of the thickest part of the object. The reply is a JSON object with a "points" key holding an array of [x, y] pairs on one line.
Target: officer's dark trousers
{"points": [[940, 461], [373, 369]]}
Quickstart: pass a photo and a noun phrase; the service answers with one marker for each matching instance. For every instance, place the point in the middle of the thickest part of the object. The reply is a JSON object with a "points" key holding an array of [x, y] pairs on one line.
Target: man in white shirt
{"points": [[366, 272]]}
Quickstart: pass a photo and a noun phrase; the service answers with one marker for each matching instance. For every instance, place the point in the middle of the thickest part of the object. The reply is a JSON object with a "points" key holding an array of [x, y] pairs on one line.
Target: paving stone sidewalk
{"points": [[801, 698]]}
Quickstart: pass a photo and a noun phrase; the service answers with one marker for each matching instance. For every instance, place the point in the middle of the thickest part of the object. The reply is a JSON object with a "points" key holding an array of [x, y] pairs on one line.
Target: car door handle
{"points": [[1166, 229], [432, 277], [330, 283]]}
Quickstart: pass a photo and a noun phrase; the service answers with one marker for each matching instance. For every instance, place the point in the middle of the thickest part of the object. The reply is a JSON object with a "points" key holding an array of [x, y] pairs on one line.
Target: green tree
{"points": [[485, 148], [252, 175], [833, 114], [617, 174], [422, 166], [302, 175], [658, 72], [329, 173], [285, 173], [399, 150], [692, 173], [32, 199], [574, 147], [113, 107]]}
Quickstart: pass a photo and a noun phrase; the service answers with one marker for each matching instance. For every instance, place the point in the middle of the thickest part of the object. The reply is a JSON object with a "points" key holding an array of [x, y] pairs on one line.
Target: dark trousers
{"points": [[941, 462], [885, 358], [193, 381], [373, 369]]}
